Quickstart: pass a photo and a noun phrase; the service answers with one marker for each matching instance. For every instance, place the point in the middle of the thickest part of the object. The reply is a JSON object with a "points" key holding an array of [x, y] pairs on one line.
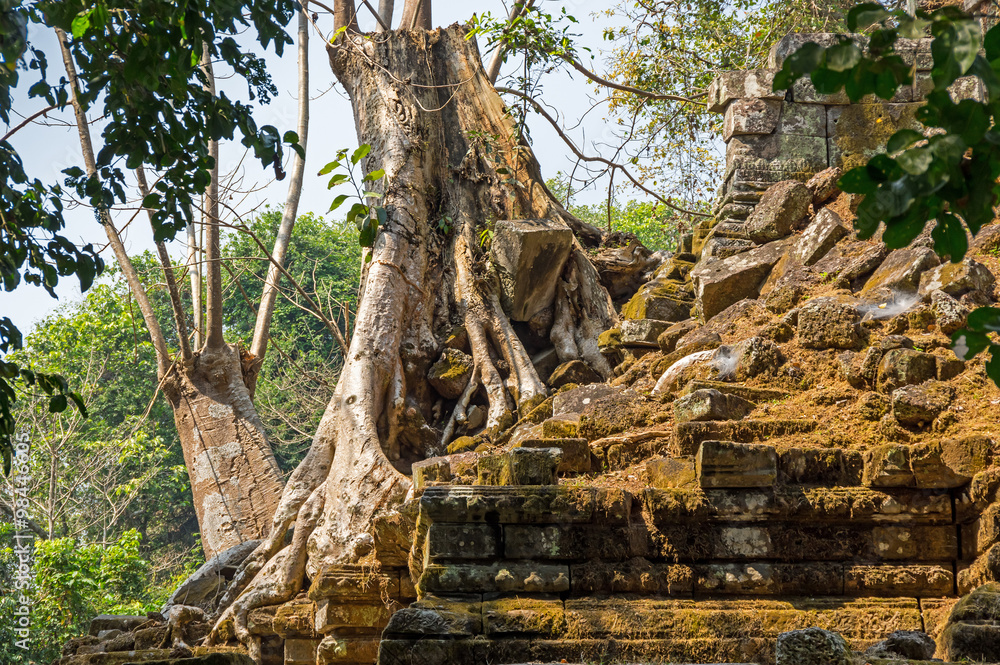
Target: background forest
{"points": [[110, 499]]}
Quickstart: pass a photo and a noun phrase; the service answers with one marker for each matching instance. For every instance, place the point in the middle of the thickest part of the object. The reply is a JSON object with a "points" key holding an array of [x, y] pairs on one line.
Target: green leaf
{"points": [[991, 43], [57, 403], [372, 195], [967, 344], [857, 181], [336, 179], [290, 137], [804, 60], [993, 364], [329, 167], [984, 319], [842, 57], [827, 82], [915, 161], [360, 153], [903, 139], [81, 23], [949, 237], [864, 15], [374, 175], [337, 202]]}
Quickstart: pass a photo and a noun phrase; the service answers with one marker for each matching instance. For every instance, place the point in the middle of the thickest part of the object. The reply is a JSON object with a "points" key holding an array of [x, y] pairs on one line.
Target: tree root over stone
{"points": [[422, 101]]}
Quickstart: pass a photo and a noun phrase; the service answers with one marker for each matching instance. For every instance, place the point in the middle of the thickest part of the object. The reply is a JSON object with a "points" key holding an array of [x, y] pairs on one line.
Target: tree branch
{"points": [[166, 265], [27, 120], [131, 277], [575, 64], [494, 69], [601, 160], [213, 251], [262, 326]]}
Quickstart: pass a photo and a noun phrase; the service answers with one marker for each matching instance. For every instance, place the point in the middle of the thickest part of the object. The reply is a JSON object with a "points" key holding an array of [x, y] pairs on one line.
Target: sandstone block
{"points": [[821, 466], [828, 324], [123, 622], [900, 644], [951, 462], [860, 131], [451, 373], [671, 472], [578, 399], [750, 116], [333, 615], [436, 616], [449, 542], [731, 85], [957, 279], [529, 255], [642, 332], [819, 238], [906, 581], [434, 469], [571, 542], [950, 314], [888, 466], [505, 577], [778, 152], [512, 505], [823, 185], [782, 206], [333, 649], [635, 576], [575, 452], [710, 404], [723, 283], [573, 371], [904, 367], [301, 651], [920, 405], [727, 464], [902, 269], [524, 616]]}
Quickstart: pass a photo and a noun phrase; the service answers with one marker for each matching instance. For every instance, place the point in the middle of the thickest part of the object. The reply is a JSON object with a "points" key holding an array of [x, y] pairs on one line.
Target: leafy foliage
{"points": [[947, 176], [71, 584], [360, 213], [141, 63]]}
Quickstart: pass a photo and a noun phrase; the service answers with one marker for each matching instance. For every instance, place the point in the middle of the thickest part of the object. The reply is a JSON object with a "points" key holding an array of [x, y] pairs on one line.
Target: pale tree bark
{"points": [[269, 296], [385, 11], [493, 71], [449, 150], [235, 480], [416, 15]]}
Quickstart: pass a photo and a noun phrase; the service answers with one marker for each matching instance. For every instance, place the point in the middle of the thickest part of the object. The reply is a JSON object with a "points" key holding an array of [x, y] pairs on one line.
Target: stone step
{"points": [[630, 630], [746, 392], [689, 436]]}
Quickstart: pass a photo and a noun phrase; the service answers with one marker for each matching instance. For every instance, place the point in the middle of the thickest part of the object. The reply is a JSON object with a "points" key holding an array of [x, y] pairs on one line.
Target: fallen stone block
{"points": [[529, 255], [723, 283], [782, 206], [710, 404]]}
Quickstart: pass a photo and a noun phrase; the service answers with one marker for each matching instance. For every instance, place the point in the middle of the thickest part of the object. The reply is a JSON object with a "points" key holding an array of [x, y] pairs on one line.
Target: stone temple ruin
{"points": [[790, 465]]}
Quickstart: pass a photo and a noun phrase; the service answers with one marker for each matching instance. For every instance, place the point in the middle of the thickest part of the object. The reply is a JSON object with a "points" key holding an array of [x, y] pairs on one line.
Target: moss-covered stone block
{"points": [[524, 616]]}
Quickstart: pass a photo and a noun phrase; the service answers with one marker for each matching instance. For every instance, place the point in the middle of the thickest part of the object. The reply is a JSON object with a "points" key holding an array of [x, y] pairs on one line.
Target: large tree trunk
{"points": [[437, 127], [235, 480]]}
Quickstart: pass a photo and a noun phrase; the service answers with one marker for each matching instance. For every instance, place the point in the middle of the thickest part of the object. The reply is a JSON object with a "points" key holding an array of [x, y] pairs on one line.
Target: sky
{"points": [[48, 149]]}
